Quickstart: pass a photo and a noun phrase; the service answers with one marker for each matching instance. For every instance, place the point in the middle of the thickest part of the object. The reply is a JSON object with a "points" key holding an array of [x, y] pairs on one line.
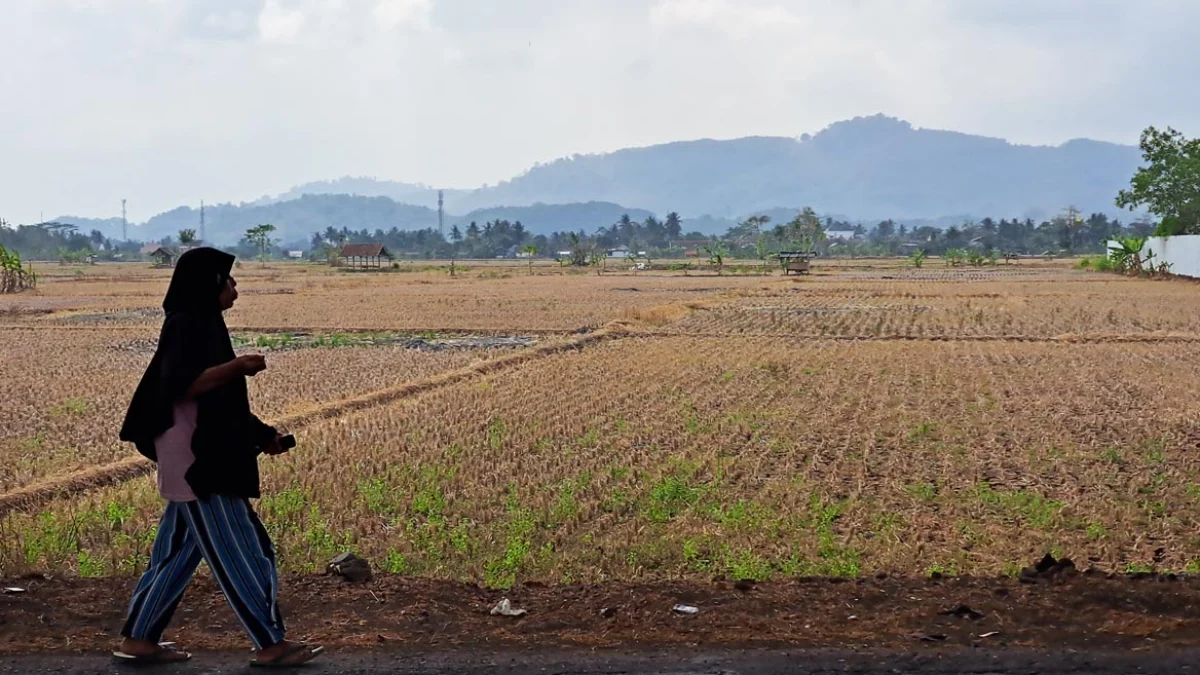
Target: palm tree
{"points": [[806, 227], [673, 227], [530, 250]]}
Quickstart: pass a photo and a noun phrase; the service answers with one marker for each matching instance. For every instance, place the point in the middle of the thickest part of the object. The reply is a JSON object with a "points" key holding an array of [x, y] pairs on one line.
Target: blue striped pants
{"points": [[227, 534]]}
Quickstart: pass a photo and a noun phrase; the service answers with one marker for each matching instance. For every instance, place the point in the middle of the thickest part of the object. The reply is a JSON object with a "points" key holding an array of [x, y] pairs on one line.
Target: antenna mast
{"points": [[202, 237], [441, 222], [124, 223]]}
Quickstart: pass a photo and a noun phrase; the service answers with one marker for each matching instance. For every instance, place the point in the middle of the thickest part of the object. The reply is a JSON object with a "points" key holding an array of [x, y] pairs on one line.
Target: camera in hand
{"points": [[287, 442]]}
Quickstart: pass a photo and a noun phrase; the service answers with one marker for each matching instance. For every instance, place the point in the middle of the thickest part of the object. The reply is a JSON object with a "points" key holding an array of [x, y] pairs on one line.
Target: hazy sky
{"points": [[165, 102]]}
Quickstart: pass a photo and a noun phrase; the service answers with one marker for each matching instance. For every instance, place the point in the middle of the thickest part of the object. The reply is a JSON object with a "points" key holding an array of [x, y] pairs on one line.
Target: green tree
{"points": [[530, 250], [1070, 223], [331, 254], [761, 250], [673, 227], [260, 236], [1169, 185], [579, 255], [805, 229], [626, 228], [187, 237]]}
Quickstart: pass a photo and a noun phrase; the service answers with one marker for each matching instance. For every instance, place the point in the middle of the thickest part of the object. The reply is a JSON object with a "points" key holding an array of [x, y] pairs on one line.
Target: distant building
{"points": [[842, 235], [163, 256], [691, 244], [364, 255], [623, 253], [296, 255]]}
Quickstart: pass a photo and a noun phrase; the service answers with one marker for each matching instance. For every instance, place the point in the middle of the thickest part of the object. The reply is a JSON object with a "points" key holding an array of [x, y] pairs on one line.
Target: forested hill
{"points": [[866, 169], [869, 168]]}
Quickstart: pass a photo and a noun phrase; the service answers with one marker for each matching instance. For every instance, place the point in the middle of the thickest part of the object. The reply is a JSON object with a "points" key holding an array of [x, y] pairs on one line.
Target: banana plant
{"points": [[716, 255], [1127, 254], [955, 257], [597, 259], [530, 251], [13, 276]]}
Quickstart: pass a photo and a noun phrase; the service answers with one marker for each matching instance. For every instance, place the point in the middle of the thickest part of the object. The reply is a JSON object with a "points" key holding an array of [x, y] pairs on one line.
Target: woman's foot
{"points": [[149, 652], [286, 654]]}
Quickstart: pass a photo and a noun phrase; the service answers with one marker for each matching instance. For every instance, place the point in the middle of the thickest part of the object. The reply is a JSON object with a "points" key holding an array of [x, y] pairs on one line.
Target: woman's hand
{"points": [[251, 364], [218, 376], [274, 447]]}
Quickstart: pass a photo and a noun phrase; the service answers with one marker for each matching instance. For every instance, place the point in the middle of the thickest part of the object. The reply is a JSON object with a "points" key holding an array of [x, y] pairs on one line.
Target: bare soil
{"points": [[1088, 612]]}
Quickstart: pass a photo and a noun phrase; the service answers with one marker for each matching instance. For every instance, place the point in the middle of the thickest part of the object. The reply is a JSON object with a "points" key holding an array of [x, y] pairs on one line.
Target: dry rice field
{"points": [[502, 427]]}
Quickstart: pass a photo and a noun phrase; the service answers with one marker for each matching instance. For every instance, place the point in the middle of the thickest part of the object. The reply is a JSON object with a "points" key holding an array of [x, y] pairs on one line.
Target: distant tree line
{"points": [[755, 237], [1068, 233], [58, 241], [501, 238]]}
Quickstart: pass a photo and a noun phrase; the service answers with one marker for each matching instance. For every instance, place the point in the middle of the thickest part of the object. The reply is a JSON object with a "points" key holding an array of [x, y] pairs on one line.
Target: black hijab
{"points": [[193, 339]]}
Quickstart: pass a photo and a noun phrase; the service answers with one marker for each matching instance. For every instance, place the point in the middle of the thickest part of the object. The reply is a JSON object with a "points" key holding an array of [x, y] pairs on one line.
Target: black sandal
{"points": [[284, 660]]}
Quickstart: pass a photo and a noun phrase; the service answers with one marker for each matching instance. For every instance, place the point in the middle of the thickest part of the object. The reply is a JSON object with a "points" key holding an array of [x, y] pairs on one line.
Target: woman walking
{"points": [[191, 415]]}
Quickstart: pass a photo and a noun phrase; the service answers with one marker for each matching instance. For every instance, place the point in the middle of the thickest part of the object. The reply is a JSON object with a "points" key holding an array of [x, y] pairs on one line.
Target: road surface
{"points": [[675, 661]]}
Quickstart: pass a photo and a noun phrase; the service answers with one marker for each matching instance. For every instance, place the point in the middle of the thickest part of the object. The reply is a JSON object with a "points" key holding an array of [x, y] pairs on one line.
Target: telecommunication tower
{"points": [[441, 221], [202, 238], [124, 223]]}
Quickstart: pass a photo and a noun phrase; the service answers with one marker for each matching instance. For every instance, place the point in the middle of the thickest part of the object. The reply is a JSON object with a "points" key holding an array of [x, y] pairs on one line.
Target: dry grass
{"points": [[744, 457], [32, 496], [1073, 303], [700, 443], [67, 392], [303, 296]]}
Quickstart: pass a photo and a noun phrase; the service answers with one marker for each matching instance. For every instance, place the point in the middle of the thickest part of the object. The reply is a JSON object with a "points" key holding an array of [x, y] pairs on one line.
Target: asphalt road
{"points": [[660, 662]]}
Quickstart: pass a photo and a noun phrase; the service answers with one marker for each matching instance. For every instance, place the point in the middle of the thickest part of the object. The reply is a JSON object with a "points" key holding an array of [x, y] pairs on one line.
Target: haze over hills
{"points": [[867, 168], [297, 219], [406, 193]]}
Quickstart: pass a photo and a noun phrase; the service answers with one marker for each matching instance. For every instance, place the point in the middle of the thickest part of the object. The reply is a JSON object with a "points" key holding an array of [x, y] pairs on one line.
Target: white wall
{"points": [[1182, 251], [839, 234]]}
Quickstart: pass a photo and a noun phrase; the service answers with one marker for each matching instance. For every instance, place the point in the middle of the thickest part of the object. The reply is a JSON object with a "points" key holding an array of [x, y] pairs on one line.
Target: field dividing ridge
{"points": [[133, 467]]}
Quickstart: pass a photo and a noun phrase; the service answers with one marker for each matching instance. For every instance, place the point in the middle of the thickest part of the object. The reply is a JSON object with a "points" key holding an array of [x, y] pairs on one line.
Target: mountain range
{"points": [[867, 168]]}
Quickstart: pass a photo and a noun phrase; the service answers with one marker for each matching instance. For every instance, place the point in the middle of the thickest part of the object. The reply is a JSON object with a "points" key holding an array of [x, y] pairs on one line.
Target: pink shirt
{"points": [[174, 449]]}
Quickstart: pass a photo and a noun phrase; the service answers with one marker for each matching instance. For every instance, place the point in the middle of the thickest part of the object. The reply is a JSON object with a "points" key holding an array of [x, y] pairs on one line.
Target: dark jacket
{"points": [[228, 437]]}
